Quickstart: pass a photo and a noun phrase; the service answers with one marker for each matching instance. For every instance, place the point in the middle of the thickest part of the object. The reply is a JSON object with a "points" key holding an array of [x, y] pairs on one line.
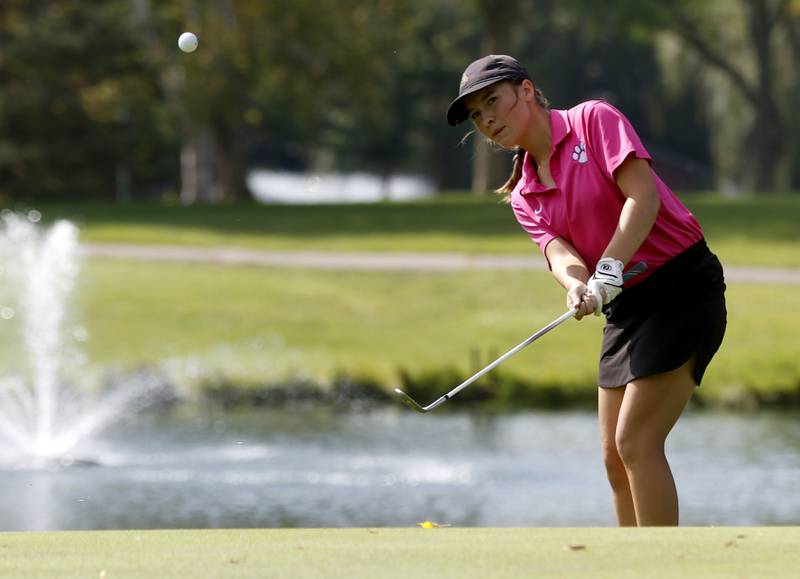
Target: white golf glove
{"points": [[606, 283]]}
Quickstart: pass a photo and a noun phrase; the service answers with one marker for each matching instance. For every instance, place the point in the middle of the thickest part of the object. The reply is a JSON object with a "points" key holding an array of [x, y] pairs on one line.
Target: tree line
{"points": [[97, 102]]}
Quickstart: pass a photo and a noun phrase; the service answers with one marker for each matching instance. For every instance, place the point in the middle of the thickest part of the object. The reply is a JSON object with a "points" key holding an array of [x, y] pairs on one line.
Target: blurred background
{"points": [[216, 265], [97, 102]]}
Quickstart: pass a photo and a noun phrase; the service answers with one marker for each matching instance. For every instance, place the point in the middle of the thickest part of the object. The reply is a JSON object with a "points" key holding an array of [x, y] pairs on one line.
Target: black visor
{"points": [[482, 73]]}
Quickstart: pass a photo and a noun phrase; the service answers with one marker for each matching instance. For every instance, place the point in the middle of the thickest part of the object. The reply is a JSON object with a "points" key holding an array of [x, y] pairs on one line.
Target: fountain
{"points": [[46, 409]]}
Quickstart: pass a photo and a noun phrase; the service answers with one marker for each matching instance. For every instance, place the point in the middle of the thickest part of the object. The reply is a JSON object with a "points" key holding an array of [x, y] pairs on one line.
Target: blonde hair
{"points": [[519, 155]]}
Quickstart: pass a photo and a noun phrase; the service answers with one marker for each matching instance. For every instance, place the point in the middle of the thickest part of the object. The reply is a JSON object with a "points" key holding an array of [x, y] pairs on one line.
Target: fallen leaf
{"points": [[430, 525], [574, 547], [730, 543]]}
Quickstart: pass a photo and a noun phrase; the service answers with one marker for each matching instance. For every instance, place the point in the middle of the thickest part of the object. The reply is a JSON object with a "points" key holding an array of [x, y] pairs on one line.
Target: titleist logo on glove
{"points": [[606, 282]]}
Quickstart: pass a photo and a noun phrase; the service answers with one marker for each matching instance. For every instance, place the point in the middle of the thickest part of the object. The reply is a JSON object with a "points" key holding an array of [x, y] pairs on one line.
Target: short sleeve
{"points": [[536, 229], [611, 137]]}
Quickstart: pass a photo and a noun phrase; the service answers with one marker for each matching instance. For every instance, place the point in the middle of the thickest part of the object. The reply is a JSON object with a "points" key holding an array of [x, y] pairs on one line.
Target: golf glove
{"points": [[606, 282]]}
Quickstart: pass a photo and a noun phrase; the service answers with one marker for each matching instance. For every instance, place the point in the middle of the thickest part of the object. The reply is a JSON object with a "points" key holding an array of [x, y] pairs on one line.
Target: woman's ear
{"points": [[528, 90]]}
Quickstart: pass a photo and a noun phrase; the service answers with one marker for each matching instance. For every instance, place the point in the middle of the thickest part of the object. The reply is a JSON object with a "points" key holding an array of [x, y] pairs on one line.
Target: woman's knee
{"points": [[615, 469], [634, 448]]}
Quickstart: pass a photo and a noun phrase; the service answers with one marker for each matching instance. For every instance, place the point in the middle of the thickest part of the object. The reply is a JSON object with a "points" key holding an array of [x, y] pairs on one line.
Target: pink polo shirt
{"points": [[590, 141]]}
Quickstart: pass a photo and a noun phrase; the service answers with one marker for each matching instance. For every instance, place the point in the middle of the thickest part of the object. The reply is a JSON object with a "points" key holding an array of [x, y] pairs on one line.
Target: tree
{"points": [[303, 80], [393, 118], [576, 51], [749, 46], [76, 104], [490, 168]]}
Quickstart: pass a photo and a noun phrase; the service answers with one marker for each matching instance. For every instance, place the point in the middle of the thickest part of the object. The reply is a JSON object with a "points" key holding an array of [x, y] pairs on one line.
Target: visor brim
{"points": [[457, 111]]}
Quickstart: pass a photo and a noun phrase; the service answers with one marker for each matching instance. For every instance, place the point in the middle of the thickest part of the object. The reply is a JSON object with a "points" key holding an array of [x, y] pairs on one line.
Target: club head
{"points": [[409, 401]]}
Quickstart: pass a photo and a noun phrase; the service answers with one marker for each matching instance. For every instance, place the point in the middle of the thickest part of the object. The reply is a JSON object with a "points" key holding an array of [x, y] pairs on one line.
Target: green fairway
{"points": [[250, 327], [405, 553], [761, 230], [254, 327]]}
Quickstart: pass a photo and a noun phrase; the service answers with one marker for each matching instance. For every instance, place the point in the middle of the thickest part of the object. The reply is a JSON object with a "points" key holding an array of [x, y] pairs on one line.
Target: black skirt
{"points": [[659, 324]]}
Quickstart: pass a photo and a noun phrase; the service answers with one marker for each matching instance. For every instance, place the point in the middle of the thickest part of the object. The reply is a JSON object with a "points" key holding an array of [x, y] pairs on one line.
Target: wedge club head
{"points": [[409, 401]]}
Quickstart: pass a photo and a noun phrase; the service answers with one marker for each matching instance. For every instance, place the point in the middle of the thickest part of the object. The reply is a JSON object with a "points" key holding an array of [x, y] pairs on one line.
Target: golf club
{"points": [[414, 405]]}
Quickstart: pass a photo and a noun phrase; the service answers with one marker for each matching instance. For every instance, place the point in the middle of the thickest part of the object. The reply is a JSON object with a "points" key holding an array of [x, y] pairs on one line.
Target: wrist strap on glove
{"points": [[606, 282]]}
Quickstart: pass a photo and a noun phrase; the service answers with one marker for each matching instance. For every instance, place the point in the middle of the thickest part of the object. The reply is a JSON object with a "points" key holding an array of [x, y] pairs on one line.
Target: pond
{"points": [[325, 467]]}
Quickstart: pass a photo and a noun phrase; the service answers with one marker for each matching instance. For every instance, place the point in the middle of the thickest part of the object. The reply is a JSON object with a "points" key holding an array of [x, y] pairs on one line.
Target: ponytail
{"points": [[541, 99], [516, 174]]}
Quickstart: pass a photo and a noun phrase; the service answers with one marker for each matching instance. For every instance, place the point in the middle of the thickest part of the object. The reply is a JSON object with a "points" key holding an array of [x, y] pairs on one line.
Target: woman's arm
{"points": [[638, 215], [639, 212], [571, 272], [635, 222]]}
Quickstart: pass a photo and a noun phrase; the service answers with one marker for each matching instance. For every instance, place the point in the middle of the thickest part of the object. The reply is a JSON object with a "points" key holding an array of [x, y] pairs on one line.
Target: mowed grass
{"points": [[254, 326], [763, 230], [405, 553]]}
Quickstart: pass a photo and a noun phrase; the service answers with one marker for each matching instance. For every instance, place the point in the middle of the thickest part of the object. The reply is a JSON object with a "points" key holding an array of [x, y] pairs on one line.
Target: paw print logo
{"points": [[579, 153]]}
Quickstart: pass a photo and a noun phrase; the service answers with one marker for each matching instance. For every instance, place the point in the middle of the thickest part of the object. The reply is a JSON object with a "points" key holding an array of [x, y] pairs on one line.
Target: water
{"points": [[391, 467]]}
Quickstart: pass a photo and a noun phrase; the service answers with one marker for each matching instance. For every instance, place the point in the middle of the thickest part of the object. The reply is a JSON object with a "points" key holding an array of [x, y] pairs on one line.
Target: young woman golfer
{"points": [[583, 189]]}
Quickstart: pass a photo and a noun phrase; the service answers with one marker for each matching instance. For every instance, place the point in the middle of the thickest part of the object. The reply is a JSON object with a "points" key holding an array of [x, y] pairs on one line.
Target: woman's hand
{"points": [[579, 297], [606, 283]]}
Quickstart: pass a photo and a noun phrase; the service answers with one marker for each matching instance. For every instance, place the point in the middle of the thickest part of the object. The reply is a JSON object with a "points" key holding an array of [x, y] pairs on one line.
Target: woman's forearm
{"points": [[639, 212], [566, 265], [635, 222]]}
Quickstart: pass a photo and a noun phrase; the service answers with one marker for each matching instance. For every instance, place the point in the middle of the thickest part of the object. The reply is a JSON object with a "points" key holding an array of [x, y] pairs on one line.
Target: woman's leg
{"points": [[608, 404], [649, 409]]}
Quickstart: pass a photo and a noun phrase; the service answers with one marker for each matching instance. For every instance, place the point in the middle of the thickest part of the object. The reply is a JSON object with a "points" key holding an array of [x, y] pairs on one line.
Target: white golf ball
{"points": [[187, 42]]}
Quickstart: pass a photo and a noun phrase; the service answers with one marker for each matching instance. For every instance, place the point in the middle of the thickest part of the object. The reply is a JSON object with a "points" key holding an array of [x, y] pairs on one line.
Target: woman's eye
{"points": [[474, 115], [491, 100]]}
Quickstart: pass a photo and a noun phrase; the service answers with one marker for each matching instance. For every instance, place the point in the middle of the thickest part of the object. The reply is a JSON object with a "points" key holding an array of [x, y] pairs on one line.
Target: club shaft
{"points": [[411, 403], [634, 271], [558, 321]]}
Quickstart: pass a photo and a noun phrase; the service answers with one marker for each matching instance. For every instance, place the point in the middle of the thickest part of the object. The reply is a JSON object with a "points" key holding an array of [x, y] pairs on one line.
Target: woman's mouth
{"points": [[497, 132]]}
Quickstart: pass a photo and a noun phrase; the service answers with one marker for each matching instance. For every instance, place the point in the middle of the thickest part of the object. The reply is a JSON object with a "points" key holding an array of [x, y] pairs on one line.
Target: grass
{"points": [[402, 553], [253, 326], [762, 230], [452, 223]]}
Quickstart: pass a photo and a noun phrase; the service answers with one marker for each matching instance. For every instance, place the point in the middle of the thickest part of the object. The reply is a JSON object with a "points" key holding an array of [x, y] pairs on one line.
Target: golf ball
{"points": [[187, 42]]}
